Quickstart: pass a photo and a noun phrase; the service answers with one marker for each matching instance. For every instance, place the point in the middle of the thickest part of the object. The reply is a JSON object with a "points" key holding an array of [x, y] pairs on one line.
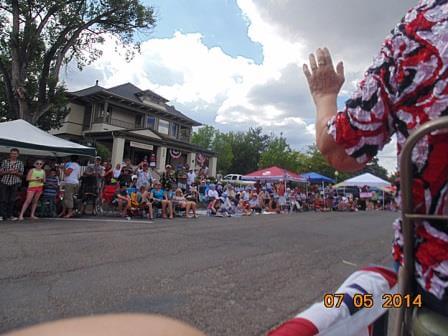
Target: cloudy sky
{"points": [[236, 64]]}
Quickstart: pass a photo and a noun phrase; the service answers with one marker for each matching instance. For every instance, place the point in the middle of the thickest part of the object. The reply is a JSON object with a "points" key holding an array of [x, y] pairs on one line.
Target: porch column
{"points": [[191, 160], [212, 163], [161, 159], [117, 151]]}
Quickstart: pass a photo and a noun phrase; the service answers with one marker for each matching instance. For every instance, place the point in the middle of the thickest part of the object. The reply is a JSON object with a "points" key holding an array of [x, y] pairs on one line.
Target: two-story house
{"points": [[134, 123]]}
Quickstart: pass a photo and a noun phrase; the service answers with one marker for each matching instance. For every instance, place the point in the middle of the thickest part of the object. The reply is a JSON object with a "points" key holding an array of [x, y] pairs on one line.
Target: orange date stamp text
{"points": [[360, 301]]}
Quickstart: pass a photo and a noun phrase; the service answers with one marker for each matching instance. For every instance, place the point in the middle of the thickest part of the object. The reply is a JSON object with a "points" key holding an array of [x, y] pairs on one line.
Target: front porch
{"points": [[158, 150]]}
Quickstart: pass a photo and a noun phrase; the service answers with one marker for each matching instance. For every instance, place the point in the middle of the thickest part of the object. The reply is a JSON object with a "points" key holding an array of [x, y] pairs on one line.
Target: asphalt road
{"points": [[225, 276]]}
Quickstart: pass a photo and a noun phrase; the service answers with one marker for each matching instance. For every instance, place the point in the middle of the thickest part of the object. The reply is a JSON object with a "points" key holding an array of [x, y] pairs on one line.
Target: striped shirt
{"points": [[11, 179], [51, 187]]}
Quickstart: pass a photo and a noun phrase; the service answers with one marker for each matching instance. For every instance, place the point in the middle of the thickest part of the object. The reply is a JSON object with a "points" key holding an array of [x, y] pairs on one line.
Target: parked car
{"points": [[354, 191], [236, 179]]}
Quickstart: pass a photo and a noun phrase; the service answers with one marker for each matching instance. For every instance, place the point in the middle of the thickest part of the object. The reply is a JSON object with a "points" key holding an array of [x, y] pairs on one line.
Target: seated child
{"points": [[135, 201], [243, 208], [193, 195], [265, 199], [274, 205], [254, 203], [180, 201], [226, 205], [122, 199], [202, 190], [146, 200], [160, 199], [214, 207]]}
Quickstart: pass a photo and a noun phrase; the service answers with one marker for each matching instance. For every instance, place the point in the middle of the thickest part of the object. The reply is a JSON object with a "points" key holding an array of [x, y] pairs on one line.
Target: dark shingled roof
{"points": [[131, 92], [88, 91], [127, 90], [172, 110]]}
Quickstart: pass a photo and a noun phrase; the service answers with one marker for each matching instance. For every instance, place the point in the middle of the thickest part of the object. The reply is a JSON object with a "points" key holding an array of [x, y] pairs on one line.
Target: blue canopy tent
{"points": [[313, 177], [316, 178]]}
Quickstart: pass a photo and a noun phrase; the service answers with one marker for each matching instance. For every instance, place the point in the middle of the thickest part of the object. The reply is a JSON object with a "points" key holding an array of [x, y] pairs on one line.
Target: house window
{"points": [[99, 112], [139, 120], [108, 116], [184, 133], [151, 122], [174, 130], [164, 126]]}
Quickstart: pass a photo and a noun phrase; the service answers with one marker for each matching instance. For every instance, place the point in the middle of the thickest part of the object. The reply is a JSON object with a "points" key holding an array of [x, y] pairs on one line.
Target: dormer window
{"points": [[98, 112], [185, 133], [149, 101], [151, 122], [164, 126], [152, 99], [174, 130]]}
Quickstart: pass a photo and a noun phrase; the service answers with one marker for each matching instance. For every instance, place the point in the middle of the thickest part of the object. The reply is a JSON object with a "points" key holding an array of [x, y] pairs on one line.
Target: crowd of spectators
{"points": [[49, 188], [280, 197], [67, 189]]}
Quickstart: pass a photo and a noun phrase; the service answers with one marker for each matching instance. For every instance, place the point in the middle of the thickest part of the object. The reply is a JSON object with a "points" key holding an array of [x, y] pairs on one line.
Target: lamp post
{"points": [[336, 174]]}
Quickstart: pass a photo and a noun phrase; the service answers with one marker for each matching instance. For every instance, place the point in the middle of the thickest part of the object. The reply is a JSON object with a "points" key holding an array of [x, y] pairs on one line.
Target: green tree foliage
{"points": [[258, 142], [278, 153], [221, 145], [244, 152], [38, 37], [374, 168], [301, 162], [247, 148], [204, 137], [316, 162], [103, 151]]}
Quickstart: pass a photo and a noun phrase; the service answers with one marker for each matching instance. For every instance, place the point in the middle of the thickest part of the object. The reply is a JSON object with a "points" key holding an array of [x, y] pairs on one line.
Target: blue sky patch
{"points": [[221, 23]]}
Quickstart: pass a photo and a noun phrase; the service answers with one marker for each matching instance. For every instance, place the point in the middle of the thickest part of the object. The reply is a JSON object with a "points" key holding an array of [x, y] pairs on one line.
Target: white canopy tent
{"points": [[31, 140], [366, 179]]}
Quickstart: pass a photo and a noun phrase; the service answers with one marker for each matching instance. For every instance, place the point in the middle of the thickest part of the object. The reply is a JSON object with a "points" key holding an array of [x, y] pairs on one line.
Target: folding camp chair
{"points": [[418, 321]]}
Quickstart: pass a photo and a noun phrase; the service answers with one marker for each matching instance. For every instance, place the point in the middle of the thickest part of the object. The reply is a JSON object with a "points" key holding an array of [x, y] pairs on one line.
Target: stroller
{"points": [[88, 194], [47, 207]]}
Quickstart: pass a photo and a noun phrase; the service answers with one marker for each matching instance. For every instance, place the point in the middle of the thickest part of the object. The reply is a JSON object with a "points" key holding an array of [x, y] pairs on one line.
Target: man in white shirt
{"points": [[191, 177], [127, 164], [144, 176], [72, 172], [205, 171], [212, 193], [245, 195]]}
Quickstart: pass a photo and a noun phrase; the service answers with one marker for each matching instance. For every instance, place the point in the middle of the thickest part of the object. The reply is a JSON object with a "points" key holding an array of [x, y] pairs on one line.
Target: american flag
{"points": [[347, 320]]}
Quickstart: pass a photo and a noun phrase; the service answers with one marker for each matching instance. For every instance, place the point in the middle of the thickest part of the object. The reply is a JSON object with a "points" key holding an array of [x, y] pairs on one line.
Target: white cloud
{"points": [[235, 92]]}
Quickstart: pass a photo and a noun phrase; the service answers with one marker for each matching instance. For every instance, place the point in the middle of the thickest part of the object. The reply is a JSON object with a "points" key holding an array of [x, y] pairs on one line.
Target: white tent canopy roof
{"points": [[31, 140], [366, 179]]}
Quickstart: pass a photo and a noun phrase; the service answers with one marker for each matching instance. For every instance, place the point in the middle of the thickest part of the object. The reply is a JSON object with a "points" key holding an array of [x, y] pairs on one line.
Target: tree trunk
{"points": [[17, 73], [24, 110]]}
